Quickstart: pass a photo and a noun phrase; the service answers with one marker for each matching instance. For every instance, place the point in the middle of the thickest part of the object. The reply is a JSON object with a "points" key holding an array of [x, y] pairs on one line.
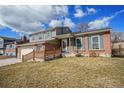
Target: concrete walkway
{"points": [[9, 61]]}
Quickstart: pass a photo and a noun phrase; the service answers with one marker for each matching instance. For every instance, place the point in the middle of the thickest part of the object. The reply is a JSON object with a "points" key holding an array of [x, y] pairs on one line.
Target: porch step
{"points": [[39, 59], [68, 54], [36, 59]]}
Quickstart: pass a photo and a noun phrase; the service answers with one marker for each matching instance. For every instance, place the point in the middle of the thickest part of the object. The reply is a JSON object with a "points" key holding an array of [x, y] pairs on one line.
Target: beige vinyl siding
{"points": [[41, 36], [53, 33]]}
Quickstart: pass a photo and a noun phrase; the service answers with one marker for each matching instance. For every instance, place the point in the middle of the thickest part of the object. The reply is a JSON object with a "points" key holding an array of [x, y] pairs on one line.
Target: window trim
{"points": [[98, 42], [81, 38]]}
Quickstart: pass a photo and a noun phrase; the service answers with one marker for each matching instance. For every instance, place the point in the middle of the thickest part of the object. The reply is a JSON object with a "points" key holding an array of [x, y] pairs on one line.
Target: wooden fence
{"points": [[118, 49], [28, 56], [52, 54], [46, 55], [39, 54]]}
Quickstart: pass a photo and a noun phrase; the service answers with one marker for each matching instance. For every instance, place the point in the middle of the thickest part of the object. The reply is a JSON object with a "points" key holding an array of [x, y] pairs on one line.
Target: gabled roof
{"points": [[50, 29], [83, 33], [64, 36], [93, 31]]}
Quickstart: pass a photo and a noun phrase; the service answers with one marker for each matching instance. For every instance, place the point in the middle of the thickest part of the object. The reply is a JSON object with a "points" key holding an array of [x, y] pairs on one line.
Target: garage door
{"points": [[25, 51]]}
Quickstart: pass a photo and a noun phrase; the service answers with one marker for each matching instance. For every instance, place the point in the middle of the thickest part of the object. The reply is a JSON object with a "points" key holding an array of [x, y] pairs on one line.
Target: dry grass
{"points": [[65, 72]]}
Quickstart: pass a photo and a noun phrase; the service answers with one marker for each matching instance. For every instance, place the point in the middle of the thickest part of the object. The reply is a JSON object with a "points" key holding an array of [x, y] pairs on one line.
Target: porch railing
{"points": [[52, 54], [28, 56], [46, 55], [39, 54]]}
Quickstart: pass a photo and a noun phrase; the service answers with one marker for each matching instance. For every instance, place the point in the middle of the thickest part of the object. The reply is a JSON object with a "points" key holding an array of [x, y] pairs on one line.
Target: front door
{"points": [[64, 45]]}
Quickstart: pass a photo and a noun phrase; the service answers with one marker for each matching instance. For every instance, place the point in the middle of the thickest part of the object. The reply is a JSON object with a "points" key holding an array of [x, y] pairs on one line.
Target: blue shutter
{"points": [[67, 42], [83, 46], [89, 42], [101, 42]]}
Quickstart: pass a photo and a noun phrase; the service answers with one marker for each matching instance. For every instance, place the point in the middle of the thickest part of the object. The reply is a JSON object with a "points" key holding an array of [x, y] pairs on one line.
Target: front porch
{"points": [[84, 45], [71, 45]]}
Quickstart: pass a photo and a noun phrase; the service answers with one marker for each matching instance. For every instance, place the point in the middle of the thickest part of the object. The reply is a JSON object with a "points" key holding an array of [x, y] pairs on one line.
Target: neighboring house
{"points": [[8, 46], [3, 42], [61, 41], [11, 49], [118, 49]]}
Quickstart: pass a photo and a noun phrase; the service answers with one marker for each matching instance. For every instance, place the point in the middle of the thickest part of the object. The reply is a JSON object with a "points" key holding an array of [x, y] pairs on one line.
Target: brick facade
{"points": [[56, 47], [106, 52]]}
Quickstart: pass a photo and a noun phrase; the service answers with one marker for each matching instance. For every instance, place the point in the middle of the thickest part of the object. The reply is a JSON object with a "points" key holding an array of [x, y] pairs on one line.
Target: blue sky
{"points": [[18, 20]]}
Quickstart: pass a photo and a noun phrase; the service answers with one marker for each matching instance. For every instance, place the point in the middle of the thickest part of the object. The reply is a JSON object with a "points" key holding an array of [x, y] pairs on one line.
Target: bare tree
{"points": [[117, 37], [82, 27]]}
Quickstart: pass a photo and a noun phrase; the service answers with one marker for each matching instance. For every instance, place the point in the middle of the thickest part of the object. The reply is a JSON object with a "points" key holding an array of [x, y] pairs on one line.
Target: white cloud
{"points": [[28, 19], [100, 23], [103, 22], [67, 22], [91, 10], [79, 12], [61, 10], [55, 23]]}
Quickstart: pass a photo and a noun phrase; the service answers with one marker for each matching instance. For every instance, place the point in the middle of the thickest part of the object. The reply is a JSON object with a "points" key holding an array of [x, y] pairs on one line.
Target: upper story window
{"points": [[48, 34], [95, 42], [41, 36], [11, 46], [33, 37], [1, 42], [53, 33]]}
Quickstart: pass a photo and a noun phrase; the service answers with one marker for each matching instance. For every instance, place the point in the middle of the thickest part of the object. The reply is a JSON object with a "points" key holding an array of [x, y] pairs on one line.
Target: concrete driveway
{"points": [[9, 61]]}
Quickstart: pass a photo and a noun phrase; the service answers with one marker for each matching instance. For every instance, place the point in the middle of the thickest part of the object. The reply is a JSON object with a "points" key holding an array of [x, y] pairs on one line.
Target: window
{"points": [[95, 42], [14, 46], [1, 42], [10, 46], [40, 36], [48, 35], [33, 37]]}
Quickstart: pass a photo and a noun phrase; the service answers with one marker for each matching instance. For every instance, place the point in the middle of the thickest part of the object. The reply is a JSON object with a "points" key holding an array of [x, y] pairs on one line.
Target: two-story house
{"points": [[42, 41], [3, 42], [60, 41], [11, 47]]}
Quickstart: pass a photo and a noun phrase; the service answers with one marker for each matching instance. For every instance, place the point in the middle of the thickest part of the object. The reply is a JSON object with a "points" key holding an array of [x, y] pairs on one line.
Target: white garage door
{"points": [[25, 51]]}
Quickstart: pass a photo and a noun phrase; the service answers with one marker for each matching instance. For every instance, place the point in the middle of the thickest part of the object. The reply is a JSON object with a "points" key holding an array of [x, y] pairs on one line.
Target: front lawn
{"points": [[65, 72]]}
